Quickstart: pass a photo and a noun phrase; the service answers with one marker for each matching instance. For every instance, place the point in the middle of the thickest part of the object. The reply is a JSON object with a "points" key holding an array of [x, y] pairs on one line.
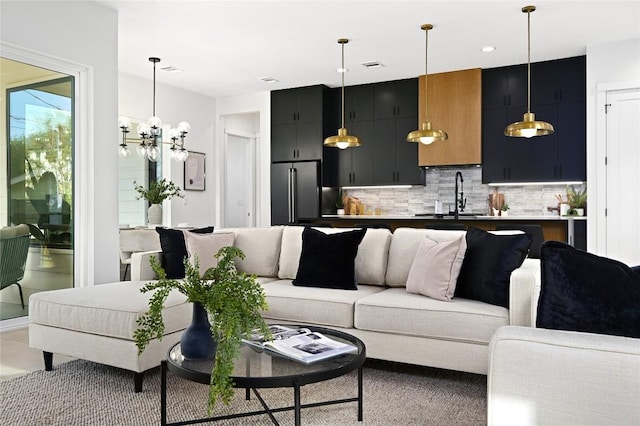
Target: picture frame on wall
{"points": [[194, 172]]}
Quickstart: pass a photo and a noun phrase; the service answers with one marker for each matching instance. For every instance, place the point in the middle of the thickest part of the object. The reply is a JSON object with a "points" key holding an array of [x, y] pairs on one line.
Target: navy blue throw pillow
{"points": [[488, 263], [328, 260], [174, 249], [581, 291]]}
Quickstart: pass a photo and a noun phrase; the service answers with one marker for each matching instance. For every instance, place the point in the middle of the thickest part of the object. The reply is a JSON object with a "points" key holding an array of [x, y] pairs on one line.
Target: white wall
{"points": [[606, 63], [135, 100], [62, 30], [254, 103]]}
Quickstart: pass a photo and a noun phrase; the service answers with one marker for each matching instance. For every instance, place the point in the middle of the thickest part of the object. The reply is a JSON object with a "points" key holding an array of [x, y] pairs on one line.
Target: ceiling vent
{"points": [[372, 64], [269, 80]]}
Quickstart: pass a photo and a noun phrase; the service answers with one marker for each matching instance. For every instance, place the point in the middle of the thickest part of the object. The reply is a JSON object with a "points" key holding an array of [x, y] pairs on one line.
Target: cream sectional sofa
{"points": [[394, 324]]}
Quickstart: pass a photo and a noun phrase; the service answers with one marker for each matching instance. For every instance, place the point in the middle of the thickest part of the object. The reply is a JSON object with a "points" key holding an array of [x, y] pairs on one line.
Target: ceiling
{"points": [[225, 47]]}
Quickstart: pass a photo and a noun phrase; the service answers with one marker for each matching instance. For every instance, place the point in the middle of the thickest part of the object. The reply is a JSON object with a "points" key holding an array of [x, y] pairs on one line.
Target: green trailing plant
{"points": [[158, 191], [505, 207], [233, 300]]}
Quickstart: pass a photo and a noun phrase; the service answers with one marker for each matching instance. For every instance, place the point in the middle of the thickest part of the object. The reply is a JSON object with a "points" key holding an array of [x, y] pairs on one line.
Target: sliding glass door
{"points": [[39, 124]]}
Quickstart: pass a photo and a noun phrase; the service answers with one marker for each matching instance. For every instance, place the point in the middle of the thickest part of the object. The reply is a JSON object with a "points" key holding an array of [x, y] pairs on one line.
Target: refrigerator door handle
{"points": [[293, 191]]}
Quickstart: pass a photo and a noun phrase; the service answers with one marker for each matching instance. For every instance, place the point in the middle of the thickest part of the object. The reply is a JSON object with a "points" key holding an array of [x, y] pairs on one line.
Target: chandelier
{"points": [[150, 133]]}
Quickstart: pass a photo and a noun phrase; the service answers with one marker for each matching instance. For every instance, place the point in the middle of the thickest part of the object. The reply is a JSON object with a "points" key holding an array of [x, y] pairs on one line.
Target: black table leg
{"points": [[296, 403], [163, 393], [360, 394]]}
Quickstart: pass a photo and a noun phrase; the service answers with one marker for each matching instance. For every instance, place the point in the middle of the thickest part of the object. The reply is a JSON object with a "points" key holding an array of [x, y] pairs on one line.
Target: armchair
{"points": [[14, 248]]}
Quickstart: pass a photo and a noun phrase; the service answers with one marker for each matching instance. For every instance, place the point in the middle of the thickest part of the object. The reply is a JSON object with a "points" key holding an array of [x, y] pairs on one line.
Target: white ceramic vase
{"points": [[154, 214]]}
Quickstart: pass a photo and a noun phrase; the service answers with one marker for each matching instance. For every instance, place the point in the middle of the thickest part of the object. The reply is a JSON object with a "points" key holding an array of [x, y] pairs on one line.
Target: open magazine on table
{"points": [[300, 344]]}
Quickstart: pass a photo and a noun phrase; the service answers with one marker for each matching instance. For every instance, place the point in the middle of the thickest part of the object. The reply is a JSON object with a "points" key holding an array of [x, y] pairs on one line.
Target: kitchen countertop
{"points": [[463, 217]]}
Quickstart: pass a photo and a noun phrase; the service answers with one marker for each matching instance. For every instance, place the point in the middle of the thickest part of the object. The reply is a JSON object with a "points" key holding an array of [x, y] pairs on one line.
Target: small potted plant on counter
{"points": [[577, 200], [504, 210]]}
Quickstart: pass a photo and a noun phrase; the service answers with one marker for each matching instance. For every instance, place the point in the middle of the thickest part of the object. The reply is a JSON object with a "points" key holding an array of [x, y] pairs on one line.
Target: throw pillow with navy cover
{"points": [[328, 260], [174, 249], [488, 263], [581, 291]]}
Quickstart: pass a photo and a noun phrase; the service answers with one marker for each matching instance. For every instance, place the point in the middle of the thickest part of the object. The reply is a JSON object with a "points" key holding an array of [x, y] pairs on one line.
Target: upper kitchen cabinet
{"points": [[394, 99], [557, 96], [395, 161], [454, 105], [297, 123]]}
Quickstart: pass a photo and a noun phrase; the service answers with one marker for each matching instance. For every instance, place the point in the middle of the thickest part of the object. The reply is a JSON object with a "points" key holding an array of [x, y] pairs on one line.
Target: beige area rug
{"points": [[84, 393]]}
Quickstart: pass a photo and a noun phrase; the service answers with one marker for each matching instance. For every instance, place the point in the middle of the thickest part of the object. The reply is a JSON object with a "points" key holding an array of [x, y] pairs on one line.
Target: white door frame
{"points": [[83, 235], [596, 226], [251, 207]]}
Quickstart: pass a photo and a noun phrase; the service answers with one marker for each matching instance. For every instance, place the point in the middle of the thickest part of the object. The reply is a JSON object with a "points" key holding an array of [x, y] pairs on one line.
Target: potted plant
{"points": [[158, 191], [577, 200], [340, 201], [231, 300], [504, 210]]}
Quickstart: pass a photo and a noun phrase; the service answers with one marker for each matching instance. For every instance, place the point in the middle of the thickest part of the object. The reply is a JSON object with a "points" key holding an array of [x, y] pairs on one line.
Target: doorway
{"points": [[239, 179], [622, 175]]}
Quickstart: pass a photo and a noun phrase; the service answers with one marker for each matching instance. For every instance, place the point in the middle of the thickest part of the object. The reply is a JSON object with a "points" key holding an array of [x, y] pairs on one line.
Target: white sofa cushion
{"points": [[106, 309], [312, 305], [403, 248], [205, 246], [436, 267], [396, 311], [370, 263], [261, 247]]}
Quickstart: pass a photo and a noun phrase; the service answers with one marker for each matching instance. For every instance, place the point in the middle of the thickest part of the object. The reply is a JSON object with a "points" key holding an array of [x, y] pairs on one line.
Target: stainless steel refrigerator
{"points": [[295, 191]]}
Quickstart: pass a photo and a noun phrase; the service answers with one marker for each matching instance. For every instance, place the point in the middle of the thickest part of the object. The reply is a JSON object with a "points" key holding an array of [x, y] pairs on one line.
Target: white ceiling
{"points": [[225, 47]]}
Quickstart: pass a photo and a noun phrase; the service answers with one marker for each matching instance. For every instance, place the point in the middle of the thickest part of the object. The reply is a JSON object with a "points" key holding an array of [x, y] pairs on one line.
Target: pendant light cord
{"points": [[343, 71], [154, 88], [528, 62], [426, 62]]}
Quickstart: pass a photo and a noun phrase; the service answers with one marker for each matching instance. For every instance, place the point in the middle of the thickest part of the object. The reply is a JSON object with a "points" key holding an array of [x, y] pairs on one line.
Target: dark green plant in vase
{"points": [[158, 191], [233, 302]]}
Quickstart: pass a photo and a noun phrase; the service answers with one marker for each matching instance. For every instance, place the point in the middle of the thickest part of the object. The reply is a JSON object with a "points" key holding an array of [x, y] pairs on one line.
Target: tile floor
{"points": [[17, 358]]}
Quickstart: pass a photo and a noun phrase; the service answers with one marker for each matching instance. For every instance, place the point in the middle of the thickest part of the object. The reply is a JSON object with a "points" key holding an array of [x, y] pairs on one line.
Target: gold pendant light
{"points": [[426, 134], [528, 127], [343, 140]]}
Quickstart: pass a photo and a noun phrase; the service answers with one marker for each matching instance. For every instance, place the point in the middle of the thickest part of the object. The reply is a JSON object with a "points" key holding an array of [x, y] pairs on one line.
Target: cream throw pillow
{"points": [[436, 267], [204, 246]]}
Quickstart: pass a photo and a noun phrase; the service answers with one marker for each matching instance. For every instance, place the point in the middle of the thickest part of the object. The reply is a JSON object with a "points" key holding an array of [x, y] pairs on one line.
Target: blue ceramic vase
{"points": [[196, 342]]}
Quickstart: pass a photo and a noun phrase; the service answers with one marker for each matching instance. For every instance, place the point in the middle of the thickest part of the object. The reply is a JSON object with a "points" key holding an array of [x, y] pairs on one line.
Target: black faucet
{"points": [[460, 202]]}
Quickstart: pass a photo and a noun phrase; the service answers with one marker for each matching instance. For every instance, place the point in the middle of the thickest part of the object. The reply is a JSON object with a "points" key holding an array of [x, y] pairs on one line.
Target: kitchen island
{"points": [[569, 229]]}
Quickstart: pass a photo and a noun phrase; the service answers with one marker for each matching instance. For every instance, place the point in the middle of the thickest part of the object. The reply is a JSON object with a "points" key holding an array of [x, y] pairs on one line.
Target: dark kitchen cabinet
{"points": [[558, 97], [355, 165], [297, 123], [394, 99], [395, 159]]}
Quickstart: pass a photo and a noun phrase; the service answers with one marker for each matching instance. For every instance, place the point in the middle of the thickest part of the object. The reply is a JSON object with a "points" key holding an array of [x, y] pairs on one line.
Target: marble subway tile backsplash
{"points": [[523, 200]]}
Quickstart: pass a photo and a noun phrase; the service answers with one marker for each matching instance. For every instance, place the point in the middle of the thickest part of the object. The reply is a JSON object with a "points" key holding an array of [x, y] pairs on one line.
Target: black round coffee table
{"points": [[255, 369]]}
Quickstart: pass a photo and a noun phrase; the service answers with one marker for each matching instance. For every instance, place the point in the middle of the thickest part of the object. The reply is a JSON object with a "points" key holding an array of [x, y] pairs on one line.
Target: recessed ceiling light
{"points": [[372, 64], [269, 80], [488, 49], [171, 69]]}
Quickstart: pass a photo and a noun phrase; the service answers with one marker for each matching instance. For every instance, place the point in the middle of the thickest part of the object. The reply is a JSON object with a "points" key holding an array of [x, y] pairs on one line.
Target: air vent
{"points": [[269, 80], [372, 64], [171, 69]]}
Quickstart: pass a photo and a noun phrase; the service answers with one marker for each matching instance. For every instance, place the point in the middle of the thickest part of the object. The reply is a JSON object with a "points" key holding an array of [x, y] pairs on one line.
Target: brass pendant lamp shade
{"points": [[343, 140], [528, 127], [426, 135]]}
